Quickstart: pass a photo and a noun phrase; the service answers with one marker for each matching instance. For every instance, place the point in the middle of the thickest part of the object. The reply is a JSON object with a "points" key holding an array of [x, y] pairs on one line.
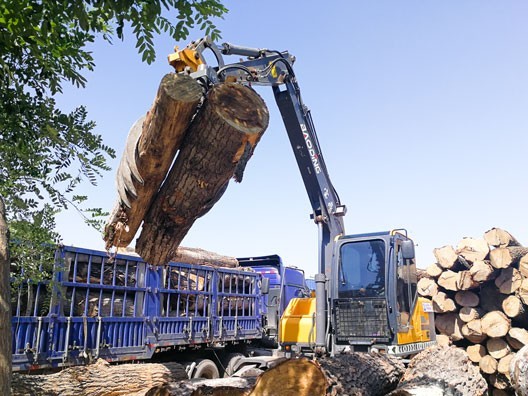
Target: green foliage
{"points": [[32, 246], [46, 153]]}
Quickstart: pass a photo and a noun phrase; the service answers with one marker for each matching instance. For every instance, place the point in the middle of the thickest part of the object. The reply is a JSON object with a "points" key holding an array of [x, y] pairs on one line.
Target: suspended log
{"points": [[509, 280], [495, 324], [507, 256], [467, 298], [219, 142], [472, 249], [150, 149], [98, 379], [427, 287], [476, 352], [442, 303], [441, 371], [445, 256], [497, 237], [482, 271]]}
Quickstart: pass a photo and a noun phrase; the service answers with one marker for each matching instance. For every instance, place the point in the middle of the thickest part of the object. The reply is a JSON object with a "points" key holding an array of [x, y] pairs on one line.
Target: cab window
{"points": [[406, 282], [361, 271]]}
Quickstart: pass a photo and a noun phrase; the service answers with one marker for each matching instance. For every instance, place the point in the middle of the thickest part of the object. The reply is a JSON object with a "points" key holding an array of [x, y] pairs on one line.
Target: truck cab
{"points": [[285, 283]]}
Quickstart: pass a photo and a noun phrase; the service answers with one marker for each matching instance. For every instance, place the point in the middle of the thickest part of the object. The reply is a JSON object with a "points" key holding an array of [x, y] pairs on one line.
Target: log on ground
{"points": [[218, 144], [98, 379], [149, 152], [441, 371]]}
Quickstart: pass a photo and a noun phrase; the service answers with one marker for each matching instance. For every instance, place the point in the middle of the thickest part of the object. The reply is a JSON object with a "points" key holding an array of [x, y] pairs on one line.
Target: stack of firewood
{"points": [[479, 292]]}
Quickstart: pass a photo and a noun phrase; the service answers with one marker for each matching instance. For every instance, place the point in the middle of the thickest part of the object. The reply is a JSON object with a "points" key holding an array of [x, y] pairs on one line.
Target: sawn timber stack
{"points": [[215, 140]]}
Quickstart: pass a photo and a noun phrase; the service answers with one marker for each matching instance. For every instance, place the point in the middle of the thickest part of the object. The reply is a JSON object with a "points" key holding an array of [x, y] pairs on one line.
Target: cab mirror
{"points": [[407, 249], [264, 286]]}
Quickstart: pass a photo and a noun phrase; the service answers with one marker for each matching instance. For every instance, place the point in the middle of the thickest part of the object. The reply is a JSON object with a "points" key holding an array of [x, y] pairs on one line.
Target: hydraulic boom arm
{"points": [[274, 68]]}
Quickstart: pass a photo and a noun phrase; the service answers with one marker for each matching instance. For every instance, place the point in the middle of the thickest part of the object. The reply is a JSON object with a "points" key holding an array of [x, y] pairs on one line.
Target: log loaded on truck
{"points": [[220, 320]]}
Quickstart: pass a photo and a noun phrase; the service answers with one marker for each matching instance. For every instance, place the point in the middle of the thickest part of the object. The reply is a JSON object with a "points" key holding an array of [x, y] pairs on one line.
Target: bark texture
{"points": [[5, 305], [218, 144], [99, 379], [149, 152], [456, 375]]}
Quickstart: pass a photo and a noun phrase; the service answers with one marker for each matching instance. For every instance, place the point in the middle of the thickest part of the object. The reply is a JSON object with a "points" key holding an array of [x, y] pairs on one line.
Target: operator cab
{"points": [[374, 294]]}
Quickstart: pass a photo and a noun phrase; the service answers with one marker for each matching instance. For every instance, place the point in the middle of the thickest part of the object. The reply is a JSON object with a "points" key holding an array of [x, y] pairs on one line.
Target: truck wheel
{"points": [[206, 368], [231, 361]]}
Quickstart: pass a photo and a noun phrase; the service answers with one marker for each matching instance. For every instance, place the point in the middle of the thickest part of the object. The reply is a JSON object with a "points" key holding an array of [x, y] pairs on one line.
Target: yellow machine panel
{"points": [[420, 333], [297, 324]]}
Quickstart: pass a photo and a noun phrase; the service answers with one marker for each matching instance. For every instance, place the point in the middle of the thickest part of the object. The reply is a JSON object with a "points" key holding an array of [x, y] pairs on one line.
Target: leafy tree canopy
{"points": [[45, 152]]}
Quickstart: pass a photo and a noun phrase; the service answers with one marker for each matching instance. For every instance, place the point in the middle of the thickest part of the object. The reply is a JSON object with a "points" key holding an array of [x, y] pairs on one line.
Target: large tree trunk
{"points": [[218, 144], [99, 379], [5, 306], [149, 152], [360, 374], [441, 371], [518, 371]]}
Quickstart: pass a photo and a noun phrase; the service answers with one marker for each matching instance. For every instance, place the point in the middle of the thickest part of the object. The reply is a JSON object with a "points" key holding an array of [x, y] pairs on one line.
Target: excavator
{"points": [[366, 286]]}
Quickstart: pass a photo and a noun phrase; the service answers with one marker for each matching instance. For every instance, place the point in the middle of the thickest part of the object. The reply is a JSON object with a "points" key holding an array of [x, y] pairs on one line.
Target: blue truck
{"points": [[123, 309]]}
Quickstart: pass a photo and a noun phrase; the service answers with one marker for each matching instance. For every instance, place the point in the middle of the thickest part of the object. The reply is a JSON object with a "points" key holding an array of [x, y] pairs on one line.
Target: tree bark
{"points": [[441, 371], [360, 374], [149, 152], [518, 370], [219, 142], [99, 379], [5, 305], [497, 237]]}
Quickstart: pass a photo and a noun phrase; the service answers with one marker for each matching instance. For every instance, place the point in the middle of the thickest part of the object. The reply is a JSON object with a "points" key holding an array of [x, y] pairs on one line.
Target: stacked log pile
{"points": [[479, 292]]}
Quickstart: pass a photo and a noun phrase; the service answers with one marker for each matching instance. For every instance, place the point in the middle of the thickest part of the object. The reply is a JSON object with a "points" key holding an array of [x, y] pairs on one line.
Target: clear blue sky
{"points": [[420, 108]]}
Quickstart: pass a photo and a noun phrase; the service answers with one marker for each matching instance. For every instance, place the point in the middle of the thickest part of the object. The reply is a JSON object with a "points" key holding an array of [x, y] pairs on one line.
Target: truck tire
{"points": [[206, 368], [230, 363]]}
